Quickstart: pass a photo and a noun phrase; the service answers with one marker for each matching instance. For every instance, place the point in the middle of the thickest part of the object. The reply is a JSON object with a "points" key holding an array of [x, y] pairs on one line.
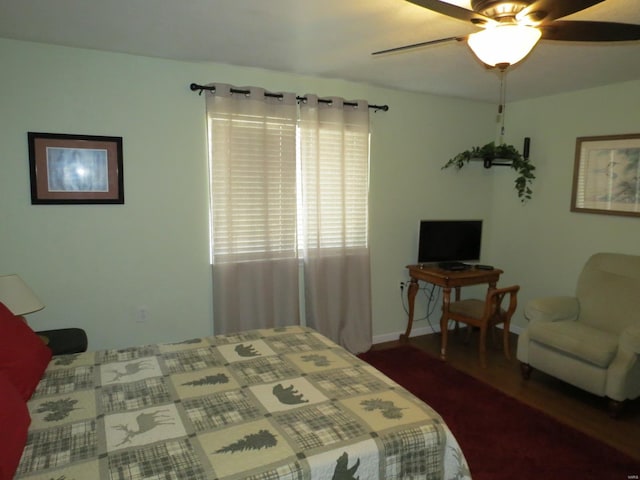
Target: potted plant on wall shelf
{"points": [[502, 155]]}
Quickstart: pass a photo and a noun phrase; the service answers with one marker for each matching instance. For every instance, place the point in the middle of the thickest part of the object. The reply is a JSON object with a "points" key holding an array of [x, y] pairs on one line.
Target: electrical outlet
{"points": [[402, 284], [142, 314]]}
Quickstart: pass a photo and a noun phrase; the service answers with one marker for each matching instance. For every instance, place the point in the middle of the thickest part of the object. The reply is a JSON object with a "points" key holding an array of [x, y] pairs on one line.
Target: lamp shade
{"points": [[503, 44], [17, 296]]}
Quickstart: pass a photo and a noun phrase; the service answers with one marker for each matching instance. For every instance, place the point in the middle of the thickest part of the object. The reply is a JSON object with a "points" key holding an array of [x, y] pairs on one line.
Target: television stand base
{"points": [[453, 266]]}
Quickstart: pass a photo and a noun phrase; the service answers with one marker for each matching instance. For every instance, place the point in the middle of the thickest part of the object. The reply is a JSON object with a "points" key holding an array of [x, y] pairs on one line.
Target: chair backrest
{"points": [[609, 291], [493, 302]]}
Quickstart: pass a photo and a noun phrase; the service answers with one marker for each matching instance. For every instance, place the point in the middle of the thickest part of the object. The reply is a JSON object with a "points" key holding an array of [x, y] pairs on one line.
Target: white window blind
{"points": [[335, 186], [253, 184]]}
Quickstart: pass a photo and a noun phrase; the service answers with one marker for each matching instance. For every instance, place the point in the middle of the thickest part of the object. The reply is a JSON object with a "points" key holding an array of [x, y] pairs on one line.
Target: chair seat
{"points": [[471, 307], [485, 314], [577, 339]]}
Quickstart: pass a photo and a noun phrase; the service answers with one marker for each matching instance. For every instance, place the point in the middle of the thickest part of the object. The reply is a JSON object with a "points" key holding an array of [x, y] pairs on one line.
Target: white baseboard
{"points": [[416, 332]]}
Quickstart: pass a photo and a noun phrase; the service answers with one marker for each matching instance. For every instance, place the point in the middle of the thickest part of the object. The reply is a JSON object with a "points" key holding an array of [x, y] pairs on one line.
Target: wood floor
{"points": [[568, 404]]}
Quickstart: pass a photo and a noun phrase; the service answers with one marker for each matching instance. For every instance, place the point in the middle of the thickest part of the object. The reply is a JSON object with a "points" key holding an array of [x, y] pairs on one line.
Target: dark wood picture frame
{"points": [[606, 175], [75, 169]]}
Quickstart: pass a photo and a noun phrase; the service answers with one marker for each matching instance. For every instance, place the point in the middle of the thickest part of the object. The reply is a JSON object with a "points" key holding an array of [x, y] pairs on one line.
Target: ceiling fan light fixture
{"points": [[503, 44]]}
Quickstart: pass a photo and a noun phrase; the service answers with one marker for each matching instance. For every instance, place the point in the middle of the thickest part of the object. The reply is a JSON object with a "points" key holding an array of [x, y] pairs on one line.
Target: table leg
{"points": [[457, 297], [446, 297], [411, 297]]}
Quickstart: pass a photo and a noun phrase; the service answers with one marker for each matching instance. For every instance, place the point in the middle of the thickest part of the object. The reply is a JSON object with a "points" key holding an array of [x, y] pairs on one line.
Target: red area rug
{"points": [[501, 437]]}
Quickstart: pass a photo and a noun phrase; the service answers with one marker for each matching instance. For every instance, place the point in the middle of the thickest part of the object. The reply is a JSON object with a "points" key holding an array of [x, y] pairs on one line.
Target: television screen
{"points": [[449, 240]]}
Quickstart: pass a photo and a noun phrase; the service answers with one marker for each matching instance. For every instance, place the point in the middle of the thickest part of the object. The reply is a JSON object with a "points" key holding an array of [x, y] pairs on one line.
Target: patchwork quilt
{"points": [[285, 403]]}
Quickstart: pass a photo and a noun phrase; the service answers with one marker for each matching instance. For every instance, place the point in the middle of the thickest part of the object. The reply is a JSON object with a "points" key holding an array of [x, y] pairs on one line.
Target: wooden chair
{"points": [[486, 314]]}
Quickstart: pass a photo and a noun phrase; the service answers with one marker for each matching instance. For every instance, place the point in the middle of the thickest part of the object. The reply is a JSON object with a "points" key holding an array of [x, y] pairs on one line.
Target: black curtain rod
{"points": [[200, 88]]}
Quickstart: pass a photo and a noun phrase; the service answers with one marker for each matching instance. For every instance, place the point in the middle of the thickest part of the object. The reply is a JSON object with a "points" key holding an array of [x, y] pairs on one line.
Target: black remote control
{"points": [[484, 267]]}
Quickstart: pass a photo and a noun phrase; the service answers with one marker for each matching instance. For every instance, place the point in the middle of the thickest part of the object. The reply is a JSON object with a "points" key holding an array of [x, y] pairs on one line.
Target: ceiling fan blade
{"points": [[548, 10], [590, 31], [453, 11], [419, 45]]}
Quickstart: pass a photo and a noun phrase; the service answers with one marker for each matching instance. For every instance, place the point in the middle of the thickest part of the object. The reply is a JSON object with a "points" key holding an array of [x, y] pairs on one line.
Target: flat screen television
{"points": [[449, 241]]}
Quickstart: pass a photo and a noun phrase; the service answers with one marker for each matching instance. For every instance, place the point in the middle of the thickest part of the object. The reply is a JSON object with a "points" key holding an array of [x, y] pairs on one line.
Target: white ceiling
{"points": [[327, 38]]}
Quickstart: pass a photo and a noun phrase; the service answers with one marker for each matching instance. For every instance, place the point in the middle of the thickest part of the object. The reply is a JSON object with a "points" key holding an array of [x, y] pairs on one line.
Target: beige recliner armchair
{"points": [[592, 340]]}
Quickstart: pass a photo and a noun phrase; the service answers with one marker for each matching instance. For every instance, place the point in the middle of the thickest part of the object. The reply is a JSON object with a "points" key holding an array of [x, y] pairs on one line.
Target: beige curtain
{"points": [[334, 150], [252, 142]]}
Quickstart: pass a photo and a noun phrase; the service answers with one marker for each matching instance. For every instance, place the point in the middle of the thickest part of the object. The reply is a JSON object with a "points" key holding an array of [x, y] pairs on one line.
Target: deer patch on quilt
{"points": [[142, 426], [130, 371]]}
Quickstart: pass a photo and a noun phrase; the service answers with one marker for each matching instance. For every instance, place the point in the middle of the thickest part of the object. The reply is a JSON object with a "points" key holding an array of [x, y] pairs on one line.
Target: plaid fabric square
{"points": [[65, 380], [413, 453], [124, 354], [296, 342], [347, 382], [291, 471], [191, 341], [235, 337], [131, 396], [262, 370], [191, 360], [65, 360], [184, 345], [319, 426], [59, 446], [173, 459], [221, 409]]}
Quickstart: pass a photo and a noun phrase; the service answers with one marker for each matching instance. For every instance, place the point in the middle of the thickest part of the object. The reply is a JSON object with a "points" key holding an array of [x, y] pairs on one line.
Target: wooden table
{"points": [[447, 279]]}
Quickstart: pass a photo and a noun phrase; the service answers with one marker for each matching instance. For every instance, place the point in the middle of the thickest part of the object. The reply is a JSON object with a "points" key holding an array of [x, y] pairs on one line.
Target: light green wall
{"points": [[543, 245], [95, 266]]}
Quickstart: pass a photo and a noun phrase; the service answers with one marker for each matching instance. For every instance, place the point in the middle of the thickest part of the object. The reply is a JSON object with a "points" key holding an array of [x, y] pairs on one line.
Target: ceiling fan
{"points": [[511, 28]]}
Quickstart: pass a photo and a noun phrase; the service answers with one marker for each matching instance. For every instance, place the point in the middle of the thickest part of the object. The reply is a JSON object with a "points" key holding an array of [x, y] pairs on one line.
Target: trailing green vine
{"points": [[490, 152]]}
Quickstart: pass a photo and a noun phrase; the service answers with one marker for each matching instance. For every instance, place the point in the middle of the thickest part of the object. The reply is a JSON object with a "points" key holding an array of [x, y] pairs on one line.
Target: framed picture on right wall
{"points": [[606, 175]]}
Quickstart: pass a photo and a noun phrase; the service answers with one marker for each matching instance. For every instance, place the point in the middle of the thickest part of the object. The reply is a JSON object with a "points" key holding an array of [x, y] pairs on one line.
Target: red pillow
{"points": [[14, 422], [23, 356]]}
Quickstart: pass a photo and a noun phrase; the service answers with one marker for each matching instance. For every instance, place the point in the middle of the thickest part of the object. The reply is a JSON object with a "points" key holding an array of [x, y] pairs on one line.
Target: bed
{"points": [[283, 403]]}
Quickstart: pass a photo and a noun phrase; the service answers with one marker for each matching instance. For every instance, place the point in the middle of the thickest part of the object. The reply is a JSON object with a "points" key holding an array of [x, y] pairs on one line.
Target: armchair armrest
{"points": [[630, 339], [552, 309]]}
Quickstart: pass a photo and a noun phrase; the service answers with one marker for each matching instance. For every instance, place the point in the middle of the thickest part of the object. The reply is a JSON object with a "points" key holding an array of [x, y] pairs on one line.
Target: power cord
{"points": [[432, 294], [431, 302]]}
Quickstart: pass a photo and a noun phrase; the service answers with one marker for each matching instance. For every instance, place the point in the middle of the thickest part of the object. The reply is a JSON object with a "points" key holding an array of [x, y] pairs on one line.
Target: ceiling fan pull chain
{"points": [[502, 106]]}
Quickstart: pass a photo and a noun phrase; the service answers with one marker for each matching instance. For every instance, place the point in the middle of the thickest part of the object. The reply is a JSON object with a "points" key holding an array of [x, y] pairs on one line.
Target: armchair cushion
{"points": [[551, 309], [630, 339], [608, 301], [578, 340]]}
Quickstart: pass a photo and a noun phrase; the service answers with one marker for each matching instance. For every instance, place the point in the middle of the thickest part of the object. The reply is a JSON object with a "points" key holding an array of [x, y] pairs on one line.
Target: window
{"points": [[289, 184], [253, 185], [263, 207]]}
